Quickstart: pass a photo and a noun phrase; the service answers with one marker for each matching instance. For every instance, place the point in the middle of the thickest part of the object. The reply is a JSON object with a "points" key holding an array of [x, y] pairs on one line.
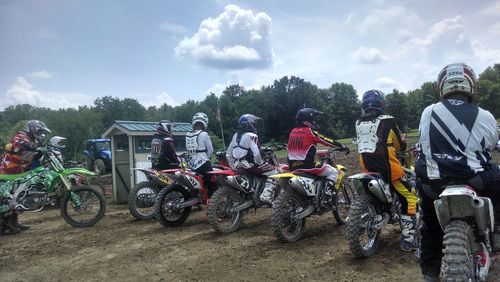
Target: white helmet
{"points": [[457, 77], [57, 142], [201, 118]]}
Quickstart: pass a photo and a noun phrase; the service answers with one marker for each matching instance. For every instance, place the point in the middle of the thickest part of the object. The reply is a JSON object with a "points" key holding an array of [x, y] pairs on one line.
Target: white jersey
{"points": [[456, 140], [199, 147], [244, 151]]}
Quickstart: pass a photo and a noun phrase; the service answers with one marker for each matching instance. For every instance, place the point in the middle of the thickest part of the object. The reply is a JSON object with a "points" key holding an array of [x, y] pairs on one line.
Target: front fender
{"points": [[77, 170]]}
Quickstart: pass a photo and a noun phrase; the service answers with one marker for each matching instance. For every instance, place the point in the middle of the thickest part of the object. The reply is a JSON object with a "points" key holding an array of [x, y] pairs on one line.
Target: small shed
{"points": [[131, 148]]}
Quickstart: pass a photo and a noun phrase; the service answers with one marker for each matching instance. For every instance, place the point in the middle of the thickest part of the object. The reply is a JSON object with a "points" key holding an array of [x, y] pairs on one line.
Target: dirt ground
{"points": [[120, 248]]}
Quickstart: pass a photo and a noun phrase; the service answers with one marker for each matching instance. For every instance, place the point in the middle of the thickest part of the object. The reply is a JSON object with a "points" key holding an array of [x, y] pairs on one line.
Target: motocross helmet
{"points": [[200, 118], [457, 77], [37, 129], [308, 117], [164, 127], [247, 122], [57, 142], [373, 100]]}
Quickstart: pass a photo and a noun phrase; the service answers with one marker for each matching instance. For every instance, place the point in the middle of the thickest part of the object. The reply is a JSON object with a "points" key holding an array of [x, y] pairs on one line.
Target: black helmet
{"points": [[307, 117], [37, 129], [164, 127]]}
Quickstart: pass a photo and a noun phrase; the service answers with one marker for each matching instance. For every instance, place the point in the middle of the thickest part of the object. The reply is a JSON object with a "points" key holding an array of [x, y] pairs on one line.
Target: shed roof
{"points": [[143, 127]]}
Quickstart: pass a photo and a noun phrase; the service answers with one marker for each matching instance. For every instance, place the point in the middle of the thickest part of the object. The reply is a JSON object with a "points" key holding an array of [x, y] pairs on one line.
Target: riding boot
{"points": [[407, 241], [267, 193], [15, 222], [329, 193], [6, 228]]}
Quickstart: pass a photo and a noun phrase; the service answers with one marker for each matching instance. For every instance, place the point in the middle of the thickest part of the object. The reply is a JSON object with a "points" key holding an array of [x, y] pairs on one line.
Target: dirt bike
{"points": [[81, 205], [173, 204], [240, 193], [303, 195], [141, 198], [468, 224]]}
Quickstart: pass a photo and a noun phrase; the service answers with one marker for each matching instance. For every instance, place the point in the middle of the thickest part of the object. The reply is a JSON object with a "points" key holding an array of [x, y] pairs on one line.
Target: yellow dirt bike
{"points": [[303, 195]]}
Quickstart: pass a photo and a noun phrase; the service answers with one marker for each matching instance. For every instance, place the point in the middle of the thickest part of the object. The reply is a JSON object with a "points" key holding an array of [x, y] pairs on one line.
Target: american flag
{"points": [[217, 114]]}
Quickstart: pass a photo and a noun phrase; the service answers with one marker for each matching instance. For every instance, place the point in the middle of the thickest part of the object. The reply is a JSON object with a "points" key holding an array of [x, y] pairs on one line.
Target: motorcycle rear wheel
{"points": [[141, 200], [168, 196], [343, 201], [361, 220], [82, 204], [288, 204], [220, 218], [457, 263]]}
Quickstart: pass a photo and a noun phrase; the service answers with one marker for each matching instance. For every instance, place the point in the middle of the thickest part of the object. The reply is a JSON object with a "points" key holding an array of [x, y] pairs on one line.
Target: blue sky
{"points": [[67, 53]]}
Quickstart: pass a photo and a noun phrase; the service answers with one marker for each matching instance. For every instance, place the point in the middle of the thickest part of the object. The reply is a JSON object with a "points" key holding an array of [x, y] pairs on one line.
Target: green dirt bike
{"points": [[81, 205]]}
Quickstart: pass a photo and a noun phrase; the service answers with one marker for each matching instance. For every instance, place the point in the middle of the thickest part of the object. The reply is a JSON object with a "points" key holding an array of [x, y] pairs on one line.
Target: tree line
{"points": [[275, 104]]}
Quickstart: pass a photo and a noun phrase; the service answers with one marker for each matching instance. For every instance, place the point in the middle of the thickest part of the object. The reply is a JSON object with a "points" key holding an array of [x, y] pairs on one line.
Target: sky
{"points": [[67, 53]]}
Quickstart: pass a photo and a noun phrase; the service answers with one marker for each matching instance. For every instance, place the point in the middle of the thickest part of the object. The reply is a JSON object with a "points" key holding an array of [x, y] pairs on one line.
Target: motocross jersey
{"points": [[244, 150], [163, 154], [302, 147], [456, 140], [199, 148], [378, 139], [19, 154]]}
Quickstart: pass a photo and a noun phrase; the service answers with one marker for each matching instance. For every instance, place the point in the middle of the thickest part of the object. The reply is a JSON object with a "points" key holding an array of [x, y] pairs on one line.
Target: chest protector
{"points": [[192, 142], [366, 134]]}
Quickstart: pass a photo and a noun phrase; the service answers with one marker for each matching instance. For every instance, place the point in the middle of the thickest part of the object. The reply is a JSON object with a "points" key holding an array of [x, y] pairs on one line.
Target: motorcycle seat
{"points": [[7, 177], [307, 175]]}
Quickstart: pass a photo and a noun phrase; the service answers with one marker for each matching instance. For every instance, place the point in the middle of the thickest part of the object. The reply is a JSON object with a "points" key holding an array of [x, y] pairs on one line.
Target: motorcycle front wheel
{"points": [[343, 201], [141, 200], [220, 216], [166, 202], [285, 227], [83, 206], [363, 239]]}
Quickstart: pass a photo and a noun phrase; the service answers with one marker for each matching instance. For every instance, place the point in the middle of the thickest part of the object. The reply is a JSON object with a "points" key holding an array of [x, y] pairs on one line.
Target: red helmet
{"points": [[457, 77]]}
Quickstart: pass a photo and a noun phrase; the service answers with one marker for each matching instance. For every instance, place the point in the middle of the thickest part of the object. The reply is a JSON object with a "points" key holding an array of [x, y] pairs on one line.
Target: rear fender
{"points": [[461, 202]]}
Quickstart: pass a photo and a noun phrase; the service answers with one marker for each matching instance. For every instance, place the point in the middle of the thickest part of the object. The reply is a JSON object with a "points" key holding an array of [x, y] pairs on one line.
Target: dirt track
{"points": [[120, 248]]}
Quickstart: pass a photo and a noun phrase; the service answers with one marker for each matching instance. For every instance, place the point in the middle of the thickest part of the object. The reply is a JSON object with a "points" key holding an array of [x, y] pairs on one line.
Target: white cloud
{"points": [[173, 28], [379, 18], [236, 39], [42, 74], [22, 92], [485, 54], [491, 10], [385, 83], [366, 55], [158, 100]]}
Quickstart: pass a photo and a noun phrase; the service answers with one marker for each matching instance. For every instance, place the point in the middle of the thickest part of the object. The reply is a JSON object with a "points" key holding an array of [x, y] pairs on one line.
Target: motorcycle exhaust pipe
{"points": [[294, 182], [478, 206]]}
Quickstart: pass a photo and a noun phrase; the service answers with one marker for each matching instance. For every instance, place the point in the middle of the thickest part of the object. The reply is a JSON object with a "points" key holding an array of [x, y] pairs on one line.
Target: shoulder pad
{"points": [[385, 117]]}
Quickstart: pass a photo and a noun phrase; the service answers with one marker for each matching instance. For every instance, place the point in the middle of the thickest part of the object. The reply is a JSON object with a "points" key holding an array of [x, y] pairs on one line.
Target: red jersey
{"points": [[19, 153], [302, 147]]}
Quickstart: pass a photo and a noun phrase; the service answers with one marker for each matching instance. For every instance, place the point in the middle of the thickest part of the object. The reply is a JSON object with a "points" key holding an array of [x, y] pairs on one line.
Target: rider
{"points": [[379, 139], [243, 154], [163, 154], [456, 141], [17, 158], [302, 149], [199, 147]]}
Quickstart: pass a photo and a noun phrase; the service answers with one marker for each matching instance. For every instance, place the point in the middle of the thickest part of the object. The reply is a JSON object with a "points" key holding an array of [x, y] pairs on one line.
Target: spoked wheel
{"points": [[286, 207], [343, 201], [458, 263], [83, 206], [167, 205], [220, 216], [141, 200], [362, 237]]}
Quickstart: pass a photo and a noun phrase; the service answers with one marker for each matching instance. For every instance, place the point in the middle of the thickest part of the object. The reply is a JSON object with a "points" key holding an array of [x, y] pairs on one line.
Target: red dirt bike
{"points": [[174, 202], [240, 193]]}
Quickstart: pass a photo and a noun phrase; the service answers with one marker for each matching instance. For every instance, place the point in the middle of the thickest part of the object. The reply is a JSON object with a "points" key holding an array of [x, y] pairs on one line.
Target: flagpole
{"points": [[219, 118]]}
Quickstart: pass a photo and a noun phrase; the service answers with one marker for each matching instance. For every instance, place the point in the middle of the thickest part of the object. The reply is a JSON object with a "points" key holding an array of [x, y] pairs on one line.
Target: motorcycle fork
{"points": [[75, 200]]}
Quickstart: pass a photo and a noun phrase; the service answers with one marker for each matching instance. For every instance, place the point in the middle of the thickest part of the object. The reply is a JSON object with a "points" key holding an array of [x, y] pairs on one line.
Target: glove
{"points": [[346, 149], [40, 151]]}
